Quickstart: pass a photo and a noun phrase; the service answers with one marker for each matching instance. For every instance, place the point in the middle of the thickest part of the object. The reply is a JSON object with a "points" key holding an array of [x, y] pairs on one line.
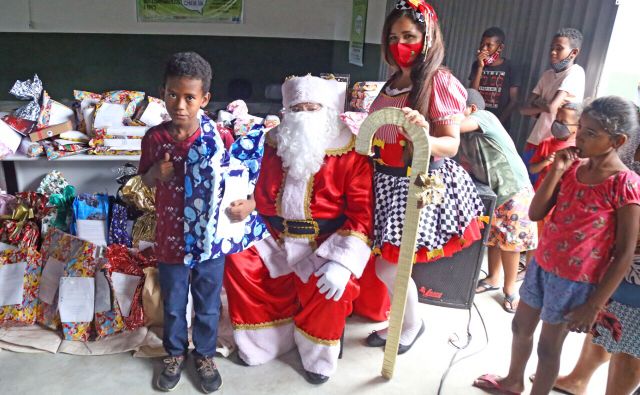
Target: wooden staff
{"points": [[418, 196]]}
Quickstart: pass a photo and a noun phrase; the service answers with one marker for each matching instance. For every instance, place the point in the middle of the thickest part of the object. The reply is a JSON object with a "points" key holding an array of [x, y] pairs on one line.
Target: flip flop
{"points": [[489, 383], [554, 388], [507, 303], [486, 287]]}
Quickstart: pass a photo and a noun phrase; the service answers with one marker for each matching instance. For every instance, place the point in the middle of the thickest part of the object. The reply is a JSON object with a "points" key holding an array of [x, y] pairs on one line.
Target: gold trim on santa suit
{"points": [[271, 324], [317, 340]]}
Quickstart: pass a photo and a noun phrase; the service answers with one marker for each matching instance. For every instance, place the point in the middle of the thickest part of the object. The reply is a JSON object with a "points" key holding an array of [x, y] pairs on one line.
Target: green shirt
{"points": [[490, 155]]}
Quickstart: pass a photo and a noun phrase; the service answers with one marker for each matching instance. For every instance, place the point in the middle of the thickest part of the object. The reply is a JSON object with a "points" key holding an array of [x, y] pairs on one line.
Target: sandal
{"points": [[485, 286], [508, 303], [489, 383]]}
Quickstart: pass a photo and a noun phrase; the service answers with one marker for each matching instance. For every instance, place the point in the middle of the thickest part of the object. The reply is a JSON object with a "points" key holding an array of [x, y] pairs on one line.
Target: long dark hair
{"points": [[424, 67]]}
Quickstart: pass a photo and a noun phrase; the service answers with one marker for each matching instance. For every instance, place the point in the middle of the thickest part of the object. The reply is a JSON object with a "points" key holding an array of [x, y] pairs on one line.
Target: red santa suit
{"points": [[274, 302]]}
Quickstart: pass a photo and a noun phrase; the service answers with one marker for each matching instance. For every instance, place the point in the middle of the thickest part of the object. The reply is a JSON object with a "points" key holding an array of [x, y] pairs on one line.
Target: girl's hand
{"points": [[238, 210], [414, 117], [551, 158], [582, 318], [563, 159]]}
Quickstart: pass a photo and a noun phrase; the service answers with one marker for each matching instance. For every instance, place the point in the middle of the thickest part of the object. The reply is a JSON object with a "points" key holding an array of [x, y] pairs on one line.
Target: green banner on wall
{"points": [[358, 30], [224, 11]]}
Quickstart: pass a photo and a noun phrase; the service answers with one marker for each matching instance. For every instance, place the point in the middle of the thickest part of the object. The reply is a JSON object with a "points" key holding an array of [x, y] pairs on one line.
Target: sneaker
{"points": [[170, 376], [210, 379]]}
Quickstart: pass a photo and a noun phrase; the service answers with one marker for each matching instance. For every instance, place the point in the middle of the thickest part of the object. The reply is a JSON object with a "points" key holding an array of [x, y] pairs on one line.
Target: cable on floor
{"points": [[454, 343]]}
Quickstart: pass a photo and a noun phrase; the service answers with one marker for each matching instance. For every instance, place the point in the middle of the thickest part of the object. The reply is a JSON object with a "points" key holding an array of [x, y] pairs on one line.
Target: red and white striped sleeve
{"points": [[448, 99]]}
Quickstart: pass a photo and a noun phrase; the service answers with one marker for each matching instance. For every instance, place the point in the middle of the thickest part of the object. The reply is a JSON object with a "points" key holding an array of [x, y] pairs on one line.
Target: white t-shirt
{"points": [[571, 81]]}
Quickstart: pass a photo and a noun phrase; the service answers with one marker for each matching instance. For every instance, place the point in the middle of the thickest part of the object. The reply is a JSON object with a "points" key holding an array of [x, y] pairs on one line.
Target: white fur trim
{"points": [[257, 346], [273, 257], [309, 89], [343, 139], [297, 252], [317, 358], [293, 198], [350, 251]]}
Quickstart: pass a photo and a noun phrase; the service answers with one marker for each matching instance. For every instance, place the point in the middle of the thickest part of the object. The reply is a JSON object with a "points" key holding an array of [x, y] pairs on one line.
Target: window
{"points": [[621, 72]]}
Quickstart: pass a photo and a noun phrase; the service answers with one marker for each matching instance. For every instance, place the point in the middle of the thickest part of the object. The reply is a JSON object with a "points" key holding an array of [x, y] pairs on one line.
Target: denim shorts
{"points": [[552, 295]]}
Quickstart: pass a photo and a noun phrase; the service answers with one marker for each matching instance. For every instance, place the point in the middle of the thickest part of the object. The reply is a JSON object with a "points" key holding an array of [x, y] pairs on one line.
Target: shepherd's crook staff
{"points": [[421, 192]]}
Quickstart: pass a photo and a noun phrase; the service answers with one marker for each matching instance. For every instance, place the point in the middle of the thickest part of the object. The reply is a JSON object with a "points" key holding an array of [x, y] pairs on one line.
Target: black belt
{"points": [[309, 227], [402, 171]]}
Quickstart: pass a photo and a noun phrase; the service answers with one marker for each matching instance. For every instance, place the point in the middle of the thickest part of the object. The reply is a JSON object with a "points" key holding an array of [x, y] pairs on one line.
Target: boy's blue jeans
{"points": [[206, 282]]}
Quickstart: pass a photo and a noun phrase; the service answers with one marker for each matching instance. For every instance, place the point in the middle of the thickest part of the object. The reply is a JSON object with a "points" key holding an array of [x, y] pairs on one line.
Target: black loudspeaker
{"points": [[451, 282]]}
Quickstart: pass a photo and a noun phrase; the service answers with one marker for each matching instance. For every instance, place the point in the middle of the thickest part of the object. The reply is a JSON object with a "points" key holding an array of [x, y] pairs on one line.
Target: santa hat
{"points": [[329, 93]]}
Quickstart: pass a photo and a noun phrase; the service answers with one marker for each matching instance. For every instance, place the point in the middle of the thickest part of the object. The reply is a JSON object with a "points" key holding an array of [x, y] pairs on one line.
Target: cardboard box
{"points": [[51, 131]]}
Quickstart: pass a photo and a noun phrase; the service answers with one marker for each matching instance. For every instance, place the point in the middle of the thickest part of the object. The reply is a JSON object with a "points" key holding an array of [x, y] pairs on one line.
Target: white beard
{"points": [[303, 138]]}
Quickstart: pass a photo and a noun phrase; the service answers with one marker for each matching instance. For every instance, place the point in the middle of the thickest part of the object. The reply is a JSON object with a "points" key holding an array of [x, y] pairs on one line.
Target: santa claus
{"points": [[296, 288]]}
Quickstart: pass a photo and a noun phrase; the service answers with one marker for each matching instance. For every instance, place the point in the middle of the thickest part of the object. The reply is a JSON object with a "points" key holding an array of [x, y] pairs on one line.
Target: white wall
{"points": [[312, 19]]}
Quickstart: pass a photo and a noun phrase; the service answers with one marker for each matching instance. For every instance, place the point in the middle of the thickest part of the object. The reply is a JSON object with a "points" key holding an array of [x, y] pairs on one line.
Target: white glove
{"points": [[333, 280]]}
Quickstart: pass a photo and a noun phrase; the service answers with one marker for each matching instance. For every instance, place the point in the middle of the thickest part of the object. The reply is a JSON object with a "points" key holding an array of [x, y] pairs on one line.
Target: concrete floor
{"points": [[417, 372]]}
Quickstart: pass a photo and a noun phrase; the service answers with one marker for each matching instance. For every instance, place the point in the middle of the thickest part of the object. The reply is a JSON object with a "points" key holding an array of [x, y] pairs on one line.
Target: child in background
{"points": [[495, 77], [187, 80], [563, 131], [488, 153], [563, 82], [576, 268]]}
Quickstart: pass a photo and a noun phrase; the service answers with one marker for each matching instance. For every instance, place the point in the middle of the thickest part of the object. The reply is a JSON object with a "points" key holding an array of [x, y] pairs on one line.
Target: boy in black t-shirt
{"points": [[496, 78]]}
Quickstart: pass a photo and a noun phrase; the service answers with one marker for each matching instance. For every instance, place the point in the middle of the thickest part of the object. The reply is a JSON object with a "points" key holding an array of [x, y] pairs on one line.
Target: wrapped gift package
{"points": [[67, 288], [51, 131], [136, 194], [154, 113], [19, 281], [125, 269], [7, 203], [22, 227], [9, 140], [85, 109], [22, 126], [90, 216], [30, 90], [108, 318], [364, 93]]}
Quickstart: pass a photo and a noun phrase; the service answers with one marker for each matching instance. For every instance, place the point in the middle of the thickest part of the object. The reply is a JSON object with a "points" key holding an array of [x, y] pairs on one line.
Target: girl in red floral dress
{"points": [[586, 247]]}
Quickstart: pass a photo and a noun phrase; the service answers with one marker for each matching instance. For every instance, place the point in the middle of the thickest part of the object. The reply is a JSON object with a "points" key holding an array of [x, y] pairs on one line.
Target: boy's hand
{"points": [[163, 168], [563, 159], [481, 56], [582, 318], [238, 210]]}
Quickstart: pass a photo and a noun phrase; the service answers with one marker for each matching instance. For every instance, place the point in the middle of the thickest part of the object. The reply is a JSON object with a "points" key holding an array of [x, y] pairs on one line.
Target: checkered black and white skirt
{"points": [[438, 222]]}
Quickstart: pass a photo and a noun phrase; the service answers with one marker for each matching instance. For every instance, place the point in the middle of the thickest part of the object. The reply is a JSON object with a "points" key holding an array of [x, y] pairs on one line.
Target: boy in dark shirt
{"points": [[495, 77], [165, 147]]}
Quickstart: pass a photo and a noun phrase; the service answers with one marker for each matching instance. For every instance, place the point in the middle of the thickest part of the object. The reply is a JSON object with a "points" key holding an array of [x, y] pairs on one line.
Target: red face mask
{"points": [[492, 58], [405, 54]]}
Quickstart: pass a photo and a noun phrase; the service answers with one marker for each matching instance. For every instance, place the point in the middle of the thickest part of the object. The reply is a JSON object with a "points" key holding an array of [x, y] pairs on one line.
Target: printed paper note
{"points": [[93, 230], [124, 286], [76, 299], [12, 283]]}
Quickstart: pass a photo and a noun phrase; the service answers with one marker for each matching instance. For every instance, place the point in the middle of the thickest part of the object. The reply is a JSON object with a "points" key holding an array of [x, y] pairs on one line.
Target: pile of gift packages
{"points": [[77, 264], [83, 264], [111, 123]]}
